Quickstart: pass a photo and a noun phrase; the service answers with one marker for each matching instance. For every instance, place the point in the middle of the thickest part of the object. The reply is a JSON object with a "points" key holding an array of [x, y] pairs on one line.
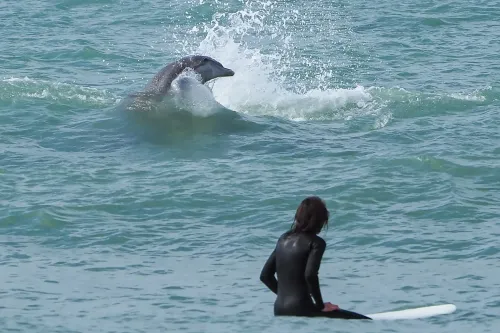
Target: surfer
{"points": [[296, 260]]}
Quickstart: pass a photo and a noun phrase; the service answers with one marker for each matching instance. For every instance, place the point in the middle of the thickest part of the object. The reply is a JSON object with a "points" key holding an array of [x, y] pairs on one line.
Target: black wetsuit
{"points": [[296, 261]]}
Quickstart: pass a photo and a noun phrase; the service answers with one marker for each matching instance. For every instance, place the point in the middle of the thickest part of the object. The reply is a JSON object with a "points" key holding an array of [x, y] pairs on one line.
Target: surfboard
{"points": [[415, 313]]}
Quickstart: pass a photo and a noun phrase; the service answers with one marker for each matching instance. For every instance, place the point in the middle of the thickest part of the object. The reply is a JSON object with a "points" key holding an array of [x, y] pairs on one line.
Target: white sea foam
{"points": [[261, 51]]}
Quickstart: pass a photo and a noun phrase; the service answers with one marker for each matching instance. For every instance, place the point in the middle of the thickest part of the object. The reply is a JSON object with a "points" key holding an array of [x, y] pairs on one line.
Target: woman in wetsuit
{"points": [[296, 261]]}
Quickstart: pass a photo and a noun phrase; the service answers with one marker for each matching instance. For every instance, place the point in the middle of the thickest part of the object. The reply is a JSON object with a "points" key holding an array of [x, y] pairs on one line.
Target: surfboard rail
{"points": [[415, 313]]}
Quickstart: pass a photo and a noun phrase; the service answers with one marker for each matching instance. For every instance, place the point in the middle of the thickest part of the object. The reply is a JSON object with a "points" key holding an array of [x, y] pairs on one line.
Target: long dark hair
{"points": [[311, 216]]}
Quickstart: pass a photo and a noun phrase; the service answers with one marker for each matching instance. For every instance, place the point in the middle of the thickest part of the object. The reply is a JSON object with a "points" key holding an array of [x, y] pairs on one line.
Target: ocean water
{"points": [[158, 218]]}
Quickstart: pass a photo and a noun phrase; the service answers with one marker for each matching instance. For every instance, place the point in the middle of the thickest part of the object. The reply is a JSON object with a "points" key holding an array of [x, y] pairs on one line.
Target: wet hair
{"points": [[311, 216]]}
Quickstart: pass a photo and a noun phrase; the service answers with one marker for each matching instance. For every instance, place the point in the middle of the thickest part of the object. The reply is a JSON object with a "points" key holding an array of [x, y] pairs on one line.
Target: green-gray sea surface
{"points": [[120, 220]]}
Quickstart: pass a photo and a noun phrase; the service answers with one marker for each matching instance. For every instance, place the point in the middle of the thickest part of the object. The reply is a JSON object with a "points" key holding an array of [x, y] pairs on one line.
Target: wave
{"points": [[13, 90], [227, 96]]}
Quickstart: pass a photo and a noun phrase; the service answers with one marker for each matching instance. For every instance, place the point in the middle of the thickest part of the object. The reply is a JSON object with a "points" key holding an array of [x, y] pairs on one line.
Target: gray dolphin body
{"points": [[208, 68]]}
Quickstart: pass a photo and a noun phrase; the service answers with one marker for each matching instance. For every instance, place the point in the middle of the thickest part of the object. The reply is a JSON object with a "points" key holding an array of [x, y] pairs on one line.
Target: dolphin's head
{"points": [[208, 68]]}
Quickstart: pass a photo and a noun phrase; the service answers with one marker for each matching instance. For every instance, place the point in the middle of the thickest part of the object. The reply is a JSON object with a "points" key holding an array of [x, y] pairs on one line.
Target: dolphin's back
{"points": [[162, 81]]}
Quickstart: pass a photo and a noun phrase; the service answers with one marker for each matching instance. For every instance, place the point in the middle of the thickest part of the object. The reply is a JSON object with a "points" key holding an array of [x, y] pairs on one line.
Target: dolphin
{"points": [[208, 69]]}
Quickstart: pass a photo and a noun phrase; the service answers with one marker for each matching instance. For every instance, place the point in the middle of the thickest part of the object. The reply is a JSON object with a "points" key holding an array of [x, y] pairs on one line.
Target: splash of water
{"points": [[258, 42], [189, 94]]}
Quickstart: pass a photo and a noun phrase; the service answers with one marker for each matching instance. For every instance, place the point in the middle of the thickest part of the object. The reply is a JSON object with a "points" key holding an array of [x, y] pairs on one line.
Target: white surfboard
{"points": [[416, 313]]}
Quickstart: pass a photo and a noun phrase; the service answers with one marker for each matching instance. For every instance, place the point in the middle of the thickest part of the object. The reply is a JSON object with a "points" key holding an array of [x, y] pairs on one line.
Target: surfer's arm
{"points": [[318, 247], [268, 271]]}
